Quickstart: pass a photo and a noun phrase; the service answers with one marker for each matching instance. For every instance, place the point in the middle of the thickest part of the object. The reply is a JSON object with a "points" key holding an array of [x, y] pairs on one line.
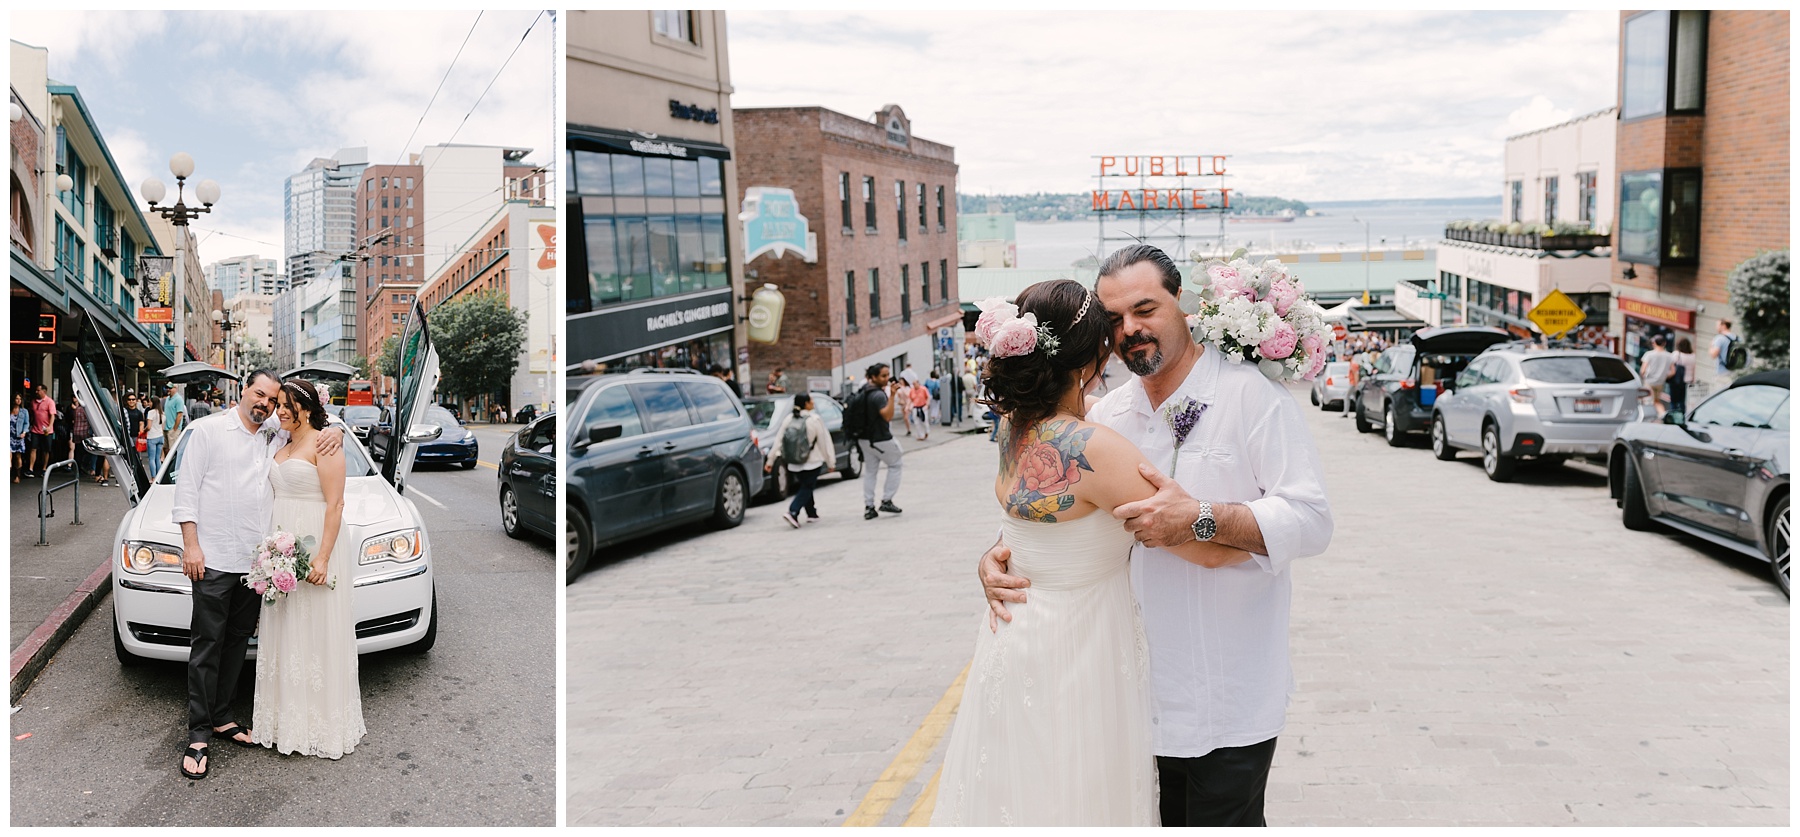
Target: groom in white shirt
{"points": [[223, 504], [1219, 669]]}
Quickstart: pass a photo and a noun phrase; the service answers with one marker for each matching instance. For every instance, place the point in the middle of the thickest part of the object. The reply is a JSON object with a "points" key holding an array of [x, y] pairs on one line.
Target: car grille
{"points": [[163, 635], [158, 634], [387, 624]]}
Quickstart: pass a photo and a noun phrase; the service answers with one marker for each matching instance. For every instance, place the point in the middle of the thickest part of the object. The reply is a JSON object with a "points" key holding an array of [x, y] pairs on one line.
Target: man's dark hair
{"points": [[1125, 257], [1658, 341], [873, 370], [1724, 322], [250, 378]]}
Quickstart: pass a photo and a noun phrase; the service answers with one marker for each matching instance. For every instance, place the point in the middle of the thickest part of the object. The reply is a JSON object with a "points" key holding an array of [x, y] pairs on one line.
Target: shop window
{"points": [[869, 204], [690, 254], [627, 174], [712, 235], [844, 198], [1551, 189], [905, 295], [874, 294], [1665, 64], [712, 183], [687, 178], [1659, 217], [900, 215], [659, 177]]}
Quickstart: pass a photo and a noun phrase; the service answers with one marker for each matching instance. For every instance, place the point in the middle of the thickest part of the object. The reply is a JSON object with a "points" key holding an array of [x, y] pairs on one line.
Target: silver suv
{"points": [[1518, 401]]}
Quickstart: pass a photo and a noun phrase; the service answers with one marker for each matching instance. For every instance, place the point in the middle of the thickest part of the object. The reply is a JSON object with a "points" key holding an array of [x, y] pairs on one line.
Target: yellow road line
{"points": [[926, 803], [905, 766], [487, 464]]}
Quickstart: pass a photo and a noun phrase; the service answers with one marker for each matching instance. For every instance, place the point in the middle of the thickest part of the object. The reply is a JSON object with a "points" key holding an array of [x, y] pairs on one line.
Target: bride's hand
{"points": [[317, 574]]}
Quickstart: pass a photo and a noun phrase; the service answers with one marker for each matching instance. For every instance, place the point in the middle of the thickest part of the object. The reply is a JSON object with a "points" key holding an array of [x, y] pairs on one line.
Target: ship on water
{"points": [[1285, 216]]}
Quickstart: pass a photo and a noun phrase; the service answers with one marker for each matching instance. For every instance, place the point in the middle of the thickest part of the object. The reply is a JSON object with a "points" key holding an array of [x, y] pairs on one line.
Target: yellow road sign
{"points": [[1556, 314]]}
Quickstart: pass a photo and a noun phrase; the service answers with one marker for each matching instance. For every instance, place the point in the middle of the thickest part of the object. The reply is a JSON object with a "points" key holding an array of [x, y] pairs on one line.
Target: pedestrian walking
{"points": [[153, 439], [805, 451], [958, 395], [1657, 365], [42, 434], [920, 398], [935, 411], [175, 418], [1681, 376], [1721, 349], [20, 429], [777, 382], [866, 420]]}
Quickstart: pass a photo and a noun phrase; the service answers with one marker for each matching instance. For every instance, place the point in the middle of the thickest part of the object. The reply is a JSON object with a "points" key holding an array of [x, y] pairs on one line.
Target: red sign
{"points": [[1339, 330], [1681, 318], [1119, 200], [45, 335], [1161, 165], [156, 315]]}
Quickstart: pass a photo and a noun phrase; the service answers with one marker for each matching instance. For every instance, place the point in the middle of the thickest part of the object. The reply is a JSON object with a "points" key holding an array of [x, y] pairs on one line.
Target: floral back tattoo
{"points": [[1045, 465]]}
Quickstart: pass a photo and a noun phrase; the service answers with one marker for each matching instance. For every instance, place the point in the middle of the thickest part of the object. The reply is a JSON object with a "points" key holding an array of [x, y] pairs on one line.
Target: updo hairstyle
{"points": [[1025, 388], [306, 397]]}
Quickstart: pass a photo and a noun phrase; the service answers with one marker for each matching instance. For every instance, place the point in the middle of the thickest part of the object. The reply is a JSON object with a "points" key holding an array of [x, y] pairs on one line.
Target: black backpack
{"points": [[856, 415], [1737, 356]]}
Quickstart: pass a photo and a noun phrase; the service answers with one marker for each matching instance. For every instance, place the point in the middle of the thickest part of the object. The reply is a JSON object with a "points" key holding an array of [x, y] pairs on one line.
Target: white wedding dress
{"points": [[1054, 726], [307, 698]]}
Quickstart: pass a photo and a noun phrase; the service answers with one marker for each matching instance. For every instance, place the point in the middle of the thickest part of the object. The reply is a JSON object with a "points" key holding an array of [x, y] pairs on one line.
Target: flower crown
{"points": [[1004, 332]]}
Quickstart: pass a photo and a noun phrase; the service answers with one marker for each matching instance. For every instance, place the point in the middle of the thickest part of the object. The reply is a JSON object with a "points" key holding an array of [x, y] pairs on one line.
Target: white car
{"points": [[395, 594], [1332, 385]]}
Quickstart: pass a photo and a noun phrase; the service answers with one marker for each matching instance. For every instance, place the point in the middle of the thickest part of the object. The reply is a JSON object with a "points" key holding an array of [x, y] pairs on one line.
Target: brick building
{"points": [[1703, 166], [882, 205], [386, 280]]}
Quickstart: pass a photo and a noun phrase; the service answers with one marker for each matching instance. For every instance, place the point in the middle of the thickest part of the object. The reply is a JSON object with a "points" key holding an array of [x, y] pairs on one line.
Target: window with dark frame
{"points": [[678, 26], [921, 207], [844, 198], [1659, 216], [943, 269], [1665, 64], [900, 209], [905, 294], [1518, 201], [874, 294], [1588, 195], [940, 208], [849, 299], [925, 284], [1551, 188], [869, 204]]}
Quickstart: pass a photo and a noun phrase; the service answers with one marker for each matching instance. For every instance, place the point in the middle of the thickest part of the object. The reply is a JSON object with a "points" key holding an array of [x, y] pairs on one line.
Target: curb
{"points": [[34, 653]]}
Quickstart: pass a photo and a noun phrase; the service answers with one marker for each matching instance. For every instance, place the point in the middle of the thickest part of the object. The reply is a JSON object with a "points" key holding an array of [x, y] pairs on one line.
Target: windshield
{"points": [[440, 417], [1598, 369], [356, 461], [357, 414]]}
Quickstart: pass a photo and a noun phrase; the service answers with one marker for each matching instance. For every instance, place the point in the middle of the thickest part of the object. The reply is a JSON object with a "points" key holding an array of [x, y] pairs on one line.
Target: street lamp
{"points": [[1355, 220], [226, 324], [207, 191]]}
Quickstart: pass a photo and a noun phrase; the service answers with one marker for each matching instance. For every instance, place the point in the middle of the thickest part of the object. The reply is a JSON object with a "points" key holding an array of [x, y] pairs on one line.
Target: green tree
{"points": [[387, 361], [361, 362], [478, 338], [1759, 292], [252, 355]]}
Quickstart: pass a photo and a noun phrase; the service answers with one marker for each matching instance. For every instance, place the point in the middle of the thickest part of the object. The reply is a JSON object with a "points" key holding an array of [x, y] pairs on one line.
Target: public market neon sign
{"points": [[1161, 195]]}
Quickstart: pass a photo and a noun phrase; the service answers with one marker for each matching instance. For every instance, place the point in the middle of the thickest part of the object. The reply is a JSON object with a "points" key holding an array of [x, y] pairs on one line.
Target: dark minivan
{"points": [[652, 449], [1398, 394]]}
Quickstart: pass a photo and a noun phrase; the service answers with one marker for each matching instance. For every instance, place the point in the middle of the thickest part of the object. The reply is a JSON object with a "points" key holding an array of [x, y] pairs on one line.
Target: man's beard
{"points": [[1148, 364], [259, 413]]}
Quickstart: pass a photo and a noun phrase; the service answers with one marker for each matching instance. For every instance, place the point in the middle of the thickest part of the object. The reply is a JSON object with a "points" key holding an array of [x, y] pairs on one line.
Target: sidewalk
{"points": [[46, 579]]}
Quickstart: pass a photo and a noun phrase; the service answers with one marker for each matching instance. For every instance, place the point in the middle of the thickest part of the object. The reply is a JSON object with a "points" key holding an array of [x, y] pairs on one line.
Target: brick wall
{"points": [[805, 149]]}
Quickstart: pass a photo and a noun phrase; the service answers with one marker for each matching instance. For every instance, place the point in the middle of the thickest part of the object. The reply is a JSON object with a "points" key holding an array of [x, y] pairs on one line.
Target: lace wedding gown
{"points": [[1054, 726], [307, 698]]}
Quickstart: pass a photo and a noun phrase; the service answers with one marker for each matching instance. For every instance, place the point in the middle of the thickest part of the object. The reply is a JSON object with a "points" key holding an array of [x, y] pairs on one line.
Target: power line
{"points": [[440, 88], [490, 84]]}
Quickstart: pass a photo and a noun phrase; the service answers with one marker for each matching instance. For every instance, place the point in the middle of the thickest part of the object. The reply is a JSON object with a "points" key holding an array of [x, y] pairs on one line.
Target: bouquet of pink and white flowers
{"points": [[281, 562], [1259, 314]]}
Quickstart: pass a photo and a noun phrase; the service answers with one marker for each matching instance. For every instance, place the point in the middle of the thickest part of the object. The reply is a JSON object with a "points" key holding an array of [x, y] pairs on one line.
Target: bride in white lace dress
{"points": [[1054, 726], [307, 698]]}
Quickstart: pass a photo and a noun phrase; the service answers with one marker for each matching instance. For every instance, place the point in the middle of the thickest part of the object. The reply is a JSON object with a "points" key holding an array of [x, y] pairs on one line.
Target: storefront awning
{"points": [[945, 321], [585, 138]]}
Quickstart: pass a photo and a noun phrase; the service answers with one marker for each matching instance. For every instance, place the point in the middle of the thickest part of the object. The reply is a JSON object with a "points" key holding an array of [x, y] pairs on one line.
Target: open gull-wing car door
{"points": [[418, 379], [95, 380]]}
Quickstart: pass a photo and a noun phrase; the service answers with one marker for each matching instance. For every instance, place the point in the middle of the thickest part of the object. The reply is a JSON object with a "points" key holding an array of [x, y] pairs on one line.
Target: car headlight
{"points": [[148, 557], [399, 547]]}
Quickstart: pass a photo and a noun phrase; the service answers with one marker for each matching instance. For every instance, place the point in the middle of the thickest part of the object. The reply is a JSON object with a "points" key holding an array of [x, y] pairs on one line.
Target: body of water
{"points": [[1392, 225]]}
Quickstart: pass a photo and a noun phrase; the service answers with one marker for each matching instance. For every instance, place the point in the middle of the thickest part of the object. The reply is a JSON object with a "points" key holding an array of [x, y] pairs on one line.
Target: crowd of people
{"points": [[45, 431]]}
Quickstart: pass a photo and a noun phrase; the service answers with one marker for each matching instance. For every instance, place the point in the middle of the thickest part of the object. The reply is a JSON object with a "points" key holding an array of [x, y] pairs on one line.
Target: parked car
{"points": [[1398, 393], [1517, 401], [362, 419], [455, 446], [395, 602], [1332, 385], [526, 414], [528, 479], [453, 408], [1719, 473], [652, 449], [766, 413]]}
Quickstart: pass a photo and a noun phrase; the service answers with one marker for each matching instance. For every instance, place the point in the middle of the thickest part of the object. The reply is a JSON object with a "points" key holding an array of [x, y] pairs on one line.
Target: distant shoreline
{"points": [[1408, 201]]}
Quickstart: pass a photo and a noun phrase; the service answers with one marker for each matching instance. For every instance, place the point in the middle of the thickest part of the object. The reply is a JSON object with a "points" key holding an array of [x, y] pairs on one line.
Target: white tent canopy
{"points": [[1339, 312]]}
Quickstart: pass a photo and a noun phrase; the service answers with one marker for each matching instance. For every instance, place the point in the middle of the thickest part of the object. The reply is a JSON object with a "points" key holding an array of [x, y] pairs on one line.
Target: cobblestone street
{"points": [[1467, 652]]}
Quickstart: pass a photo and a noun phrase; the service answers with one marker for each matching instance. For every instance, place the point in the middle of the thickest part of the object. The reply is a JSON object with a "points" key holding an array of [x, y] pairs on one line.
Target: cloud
{"points": [[1318, 106], [1539, 113]]}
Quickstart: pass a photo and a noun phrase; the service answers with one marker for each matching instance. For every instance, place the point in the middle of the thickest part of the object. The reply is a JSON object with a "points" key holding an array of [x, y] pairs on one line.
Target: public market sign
{"points": [[1162, 194], [773, 224], [1556, 314]]}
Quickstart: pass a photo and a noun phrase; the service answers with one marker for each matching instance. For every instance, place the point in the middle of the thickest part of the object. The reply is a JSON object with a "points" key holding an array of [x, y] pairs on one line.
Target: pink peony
{"points": [[1318, 365], [1314, 344], [260, 587], [284, 541], [1016, 337], [1283, 292], [995, 312], [1280, 344], [285, 581], [1227, 282]]}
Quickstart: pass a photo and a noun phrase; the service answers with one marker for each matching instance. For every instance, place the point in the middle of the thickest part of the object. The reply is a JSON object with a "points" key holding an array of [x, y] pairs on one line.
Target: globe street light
{"points": [[226, 324], [207, 191]]}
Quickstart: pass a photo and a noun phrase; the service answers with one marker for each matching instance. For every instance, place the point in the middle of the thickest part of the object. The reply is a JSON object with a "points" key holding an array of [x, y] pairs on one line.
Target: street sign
{"points": [[827, 342], [1556, 314], [1433, 295]]}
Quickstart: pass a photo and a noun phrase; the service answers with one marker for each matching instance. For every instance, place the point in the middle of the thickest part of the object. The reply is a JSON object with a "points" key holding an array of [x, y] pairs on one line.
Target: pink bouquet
{"points": [[281, 562], [1259, 314]]}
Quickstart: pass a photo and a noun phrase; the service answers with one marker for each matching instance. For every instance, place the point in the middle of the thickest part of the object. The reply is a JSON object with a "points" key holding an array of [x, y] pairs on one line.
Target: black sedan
{"points": [[766, 413], [454, 446], [1719, 473], [1398, 394], [528, 479], [363, 419]]}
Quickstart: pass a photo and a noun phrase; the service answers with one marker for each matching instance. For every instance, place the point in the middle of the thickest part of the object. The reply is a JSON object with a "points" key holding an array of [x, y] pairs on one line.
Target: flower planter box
{"points": [[1530, 241]]}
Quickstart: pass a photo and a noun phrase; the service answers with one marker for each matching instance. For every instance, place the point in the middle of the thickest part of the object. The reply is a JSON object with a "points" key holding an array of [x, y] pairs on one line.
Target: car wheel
{"points": [[509, 512], [1390, 430], [126, 658], [728, 510], [1440, 440], [1637, 514], [1778, 545], [1498, 466], [1315, 399], [430, 638], [1362, 421], [578, 546]]}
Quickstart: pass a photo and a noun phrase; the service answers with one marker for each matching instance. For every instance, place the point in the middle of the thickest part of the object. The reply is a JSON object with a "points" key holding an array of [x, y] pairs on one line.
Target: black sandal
{"points": [[196, 753], [231, 733]]}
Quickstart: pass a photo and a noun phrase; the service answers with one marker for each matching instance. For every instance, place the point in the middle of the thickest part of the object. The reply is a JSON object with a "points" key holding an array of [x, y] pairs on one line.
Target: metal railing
{"points": [[47, 500]]}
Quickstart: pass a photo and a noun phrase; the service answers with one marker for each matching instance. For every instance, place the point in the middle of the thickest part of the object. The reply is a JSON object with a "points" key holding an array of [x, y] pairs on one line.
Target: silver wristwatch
{"points": [[1204, 526]]}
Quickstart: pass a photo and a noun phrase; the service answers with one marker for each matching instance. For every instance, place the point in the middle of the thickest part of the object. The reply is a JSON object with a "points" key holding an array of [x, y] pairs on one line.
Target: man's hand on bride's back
{"points": [[329, 441], [1000, 587]]}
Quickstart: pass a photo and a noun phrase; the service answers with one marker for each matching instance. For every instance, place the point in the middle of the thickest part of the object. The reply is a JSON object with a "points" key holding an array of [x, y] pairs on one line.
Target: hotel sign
{"points": [[1162, 194], [1680, 318]]}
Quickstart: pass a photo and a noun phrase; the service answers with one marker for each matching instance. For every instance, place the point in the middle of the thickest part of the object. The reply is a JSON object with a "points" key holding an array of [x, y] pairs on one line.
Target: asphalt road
{"points": [[463, 735]]}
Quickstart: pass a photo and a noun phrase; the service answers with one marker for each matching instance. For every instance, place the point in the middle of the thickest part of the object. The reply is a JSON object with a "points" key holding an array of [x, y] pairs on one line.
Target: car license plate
{"points": [[1587, 405]]}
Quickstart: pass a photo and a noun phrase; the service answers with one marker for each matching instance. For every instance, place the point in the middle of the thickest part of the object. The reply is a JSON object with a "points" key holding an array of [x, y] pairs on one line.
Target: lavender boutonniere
{"points": [[266, 435], [1181, 416]]}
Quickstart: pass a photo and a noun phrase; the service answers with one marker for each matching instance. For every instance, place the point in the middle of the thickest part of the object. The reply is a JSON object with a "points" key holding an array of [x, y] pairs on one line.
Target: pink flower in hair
{"points": [[1016, 337], [995, 312]]}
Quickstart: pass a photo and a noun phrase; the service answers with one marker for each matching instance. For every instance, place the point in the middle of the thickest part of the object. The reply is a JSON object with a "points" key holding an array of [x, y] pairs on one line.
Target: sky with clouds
{"points": [[254, 97], [1308, 105]]}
